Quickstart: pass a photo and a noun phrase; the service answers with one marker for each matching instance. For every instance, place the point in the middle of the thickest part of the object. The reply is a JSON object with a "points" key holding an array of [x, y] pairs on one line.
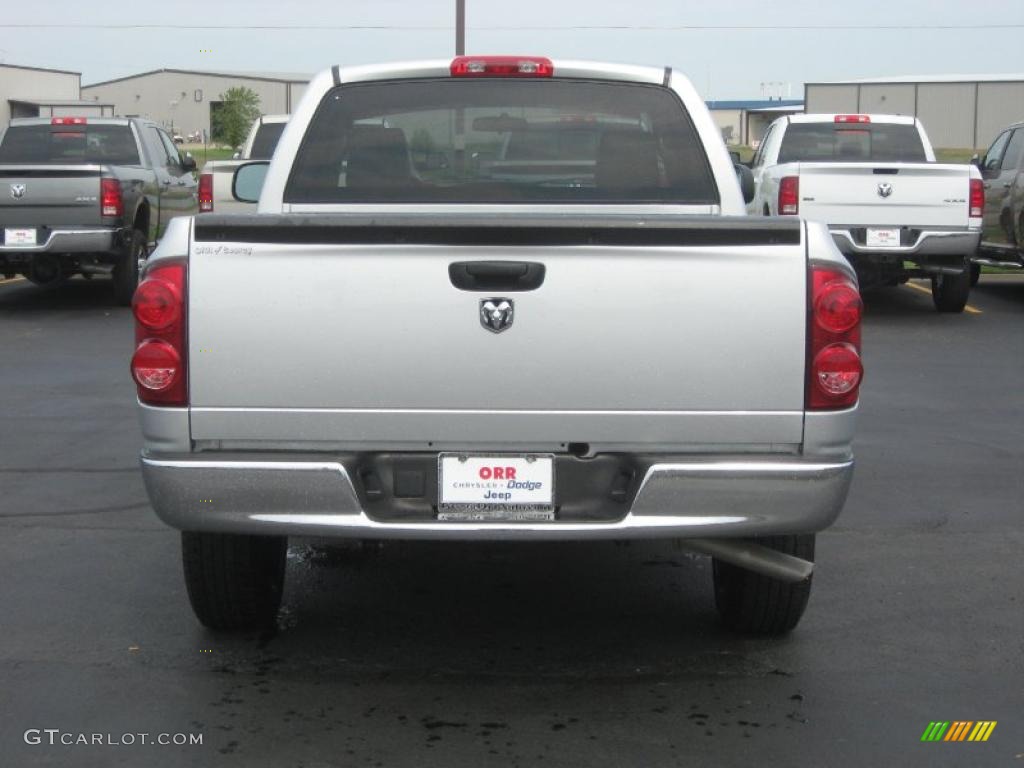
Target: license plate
{"points": [[883, 238], [19, 237], [473, 487]]}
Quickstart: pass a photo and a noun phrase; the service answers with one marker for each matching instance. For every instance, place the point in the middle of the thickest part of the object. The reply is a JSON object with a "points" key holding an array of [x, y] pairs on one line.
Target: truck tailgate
{"points": [[923, 194], [48, 195], [660, 331]]}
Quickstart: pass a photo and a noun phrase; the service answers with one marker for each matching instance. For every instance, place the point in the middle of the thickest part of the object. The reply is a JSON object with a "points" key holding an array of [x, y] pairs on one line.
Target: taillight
{"points": [[160, 363], [789, 195], [111, 202], [834, 369], [502, 66], [205, 192], [69, 121], [977, 198], [853, 118]]}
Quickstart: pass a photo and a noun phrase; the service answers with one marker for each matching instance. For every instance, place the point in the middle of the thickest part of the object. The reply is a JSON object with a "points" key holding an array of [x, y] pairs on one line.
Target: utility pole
{"points": [[460, 27]]}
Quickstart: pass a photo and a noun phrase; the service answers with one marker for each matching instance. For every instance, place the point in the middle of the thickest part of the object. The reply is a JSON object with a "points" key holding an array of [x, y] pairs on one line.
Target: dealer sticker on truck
{"points": [[473, 487]]}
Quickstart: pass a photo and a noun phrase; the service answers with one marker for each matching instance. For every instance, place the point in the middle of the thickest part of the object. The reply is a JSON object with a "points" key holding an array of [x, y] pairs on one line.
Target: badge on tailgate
{"points": [[484, 488]]}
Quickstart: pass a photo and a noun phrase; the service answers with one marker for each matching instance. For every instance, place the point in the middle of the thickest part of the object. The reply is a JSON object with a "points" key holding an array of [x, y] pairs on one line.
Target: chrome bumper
{"points": [[689, 498], [928, 243], [68, 241]]}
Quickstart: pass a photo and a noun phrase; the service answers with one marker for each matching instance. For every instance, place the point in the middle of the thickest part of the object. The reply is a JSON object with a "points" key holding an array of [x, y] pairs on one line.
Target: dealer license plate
{"points": [[472, 487], [19, 237], [888, 237]]}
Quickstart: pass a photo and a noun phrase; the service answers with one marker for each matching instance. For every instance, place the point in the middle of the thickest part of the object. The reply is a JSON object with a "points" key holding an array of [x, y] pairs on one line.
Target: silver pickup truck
{"points": [[87, 195], [616, 353]]}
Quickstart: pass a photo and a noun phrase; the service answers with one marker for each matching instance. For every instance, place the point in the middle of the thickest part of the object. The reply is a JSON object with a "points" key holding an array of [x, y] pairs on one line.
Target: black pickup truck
{"points": [[89, 196]]}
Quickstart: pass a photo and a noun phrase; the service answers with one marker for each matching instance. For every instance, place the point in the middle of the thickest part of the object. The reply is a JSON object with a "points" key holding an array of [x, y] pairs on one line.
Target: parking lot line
{"points": [[922, 289]]}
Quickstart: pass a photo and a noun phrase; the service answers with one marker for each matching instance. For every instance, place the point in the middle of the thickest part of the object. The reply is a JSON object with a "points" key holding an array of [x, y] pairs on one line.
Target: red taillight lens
{"points": [[205, 192], [502, 66], [156, 304], [838, 307], [156, 365], [111, 202], [789, 195], [977, 198], [834, 369], [69, 121], [853, 118], [160, 363], [837, 370]]}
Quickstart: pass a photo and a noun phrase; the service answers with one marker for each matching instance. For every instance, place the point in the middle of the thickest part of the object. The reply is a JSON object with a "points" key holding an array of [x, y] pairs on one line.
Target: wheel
{"points": [[760, 605], [126, 273], [949, 292], [234, 581], [975, 274]]}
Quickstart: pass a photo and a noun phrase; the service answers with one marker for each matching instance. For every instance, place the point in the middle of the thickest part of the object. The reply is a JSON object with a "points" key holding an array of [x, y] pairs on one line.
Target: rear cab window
{"points": [[852, 143], [265, 141], [501, 141], [46, 143]]}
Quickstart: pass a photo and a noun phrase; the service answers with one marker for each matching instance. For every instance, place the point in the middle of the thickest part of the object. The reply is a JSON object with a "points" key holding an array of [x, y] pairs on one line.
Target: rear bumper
{"points": [[914, 242], [677, 497], [78, 240]]}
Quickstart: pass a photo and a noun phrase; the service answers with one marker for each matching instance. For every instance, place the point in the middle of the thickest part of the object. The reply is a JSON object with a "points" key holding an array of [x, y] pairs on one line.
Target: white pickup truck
{"points": [[215, 179], [617, 352], [892, 210]]}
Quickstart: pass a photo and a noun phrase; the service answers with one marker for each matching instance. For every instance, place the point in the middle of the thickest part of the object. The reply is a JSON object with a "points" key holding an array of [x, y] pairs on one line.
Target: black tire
{"points": [[760, 605], [950, 292], [234, 581], [975, 274], [126, 273]]}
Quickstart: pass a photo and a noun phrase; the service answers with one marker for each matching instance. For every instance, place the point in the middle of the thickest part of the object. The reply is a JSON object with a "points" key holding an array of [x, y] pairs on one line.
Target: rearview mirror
{"points": [[500, 124], [746, 179], [247, 183]]}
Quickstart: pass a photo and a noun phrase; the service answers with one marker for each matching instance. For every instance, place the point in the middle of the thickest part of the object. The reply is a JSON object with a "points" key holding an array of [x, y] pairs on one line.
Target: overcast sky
{"points": [[723, 63]]}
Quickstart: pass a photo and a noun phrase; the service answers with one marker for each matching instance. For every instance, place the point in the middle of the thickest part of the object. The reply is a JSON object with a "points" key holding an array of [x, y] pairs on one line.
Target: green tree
{"points": [[239, 107]]}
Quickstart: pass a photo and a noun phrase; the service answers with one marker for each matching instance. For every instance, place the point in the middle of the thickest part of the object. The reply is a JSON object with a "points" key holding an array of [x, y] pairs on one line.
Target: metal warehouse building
{"points": [[744, 122], [31, 91], [957, 110], [182, 99]]}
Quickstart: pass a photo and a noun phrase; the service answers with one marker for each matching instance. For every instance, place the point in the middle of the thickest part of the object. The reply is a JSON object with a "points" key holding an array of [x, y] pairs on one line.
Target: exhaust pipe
{"points": [[96, 269], [753, 557]]}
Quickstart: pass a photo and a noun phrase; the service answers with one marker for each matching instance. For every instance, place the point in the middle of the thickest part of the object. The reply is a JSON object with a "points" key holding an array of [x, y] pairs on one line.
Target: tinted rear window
{"points": [[265, 141], [851, 143], [102, 144], [501, 141]]}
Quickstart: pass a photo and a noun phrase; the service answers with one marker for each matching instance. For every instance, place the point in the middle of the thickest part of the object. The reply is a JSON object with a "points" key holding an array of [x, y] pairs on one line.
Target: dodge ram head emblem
{"points": [[884, 190], [496, 314], [17, 191]]}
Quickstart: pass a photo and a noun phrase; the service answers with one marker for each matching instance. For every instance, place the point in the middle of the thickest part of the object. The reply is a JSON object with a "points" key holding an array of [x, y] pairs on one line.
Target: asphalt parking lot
{"points": [[563, 655]]}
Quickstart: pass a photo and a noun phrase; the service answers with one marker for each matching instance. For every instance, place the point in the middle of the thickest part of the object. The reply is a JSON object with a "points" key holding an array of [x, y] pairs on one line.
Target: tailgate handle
{"points": [[496, 275]]}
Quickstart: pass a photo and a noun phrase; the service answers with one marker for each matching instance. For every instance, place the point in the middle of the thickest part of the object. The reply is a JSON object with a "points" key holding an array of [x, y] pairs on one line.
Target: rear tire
{"points": [[234, 581], [950, 292], [760, 605], [975, 274], [126, 273]]}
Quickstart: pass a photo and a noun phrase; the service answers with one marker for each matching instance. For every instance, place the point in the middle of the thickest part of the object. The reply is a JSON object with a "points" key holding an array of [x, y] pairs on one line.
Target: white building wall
{"points": [[34, 85], [182, 100]]}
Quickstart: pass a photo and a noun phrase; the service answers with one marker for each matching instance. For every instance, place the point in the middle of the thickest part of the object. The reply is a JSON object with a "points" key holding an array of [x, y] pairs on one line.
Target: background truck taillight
{"points": [[834, 370], [111, 201], [160, 363], [977, 204], [205, 192], [789, 195]]}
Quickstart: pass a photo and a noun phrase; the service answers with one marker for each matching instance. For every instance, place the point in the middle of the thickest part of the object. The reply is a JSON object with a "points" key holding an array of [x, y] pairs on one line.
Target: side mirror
{"points": [[746, 179], [188, 162], [737, 158], [975, 160], [237, 155], [247, 182]]}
